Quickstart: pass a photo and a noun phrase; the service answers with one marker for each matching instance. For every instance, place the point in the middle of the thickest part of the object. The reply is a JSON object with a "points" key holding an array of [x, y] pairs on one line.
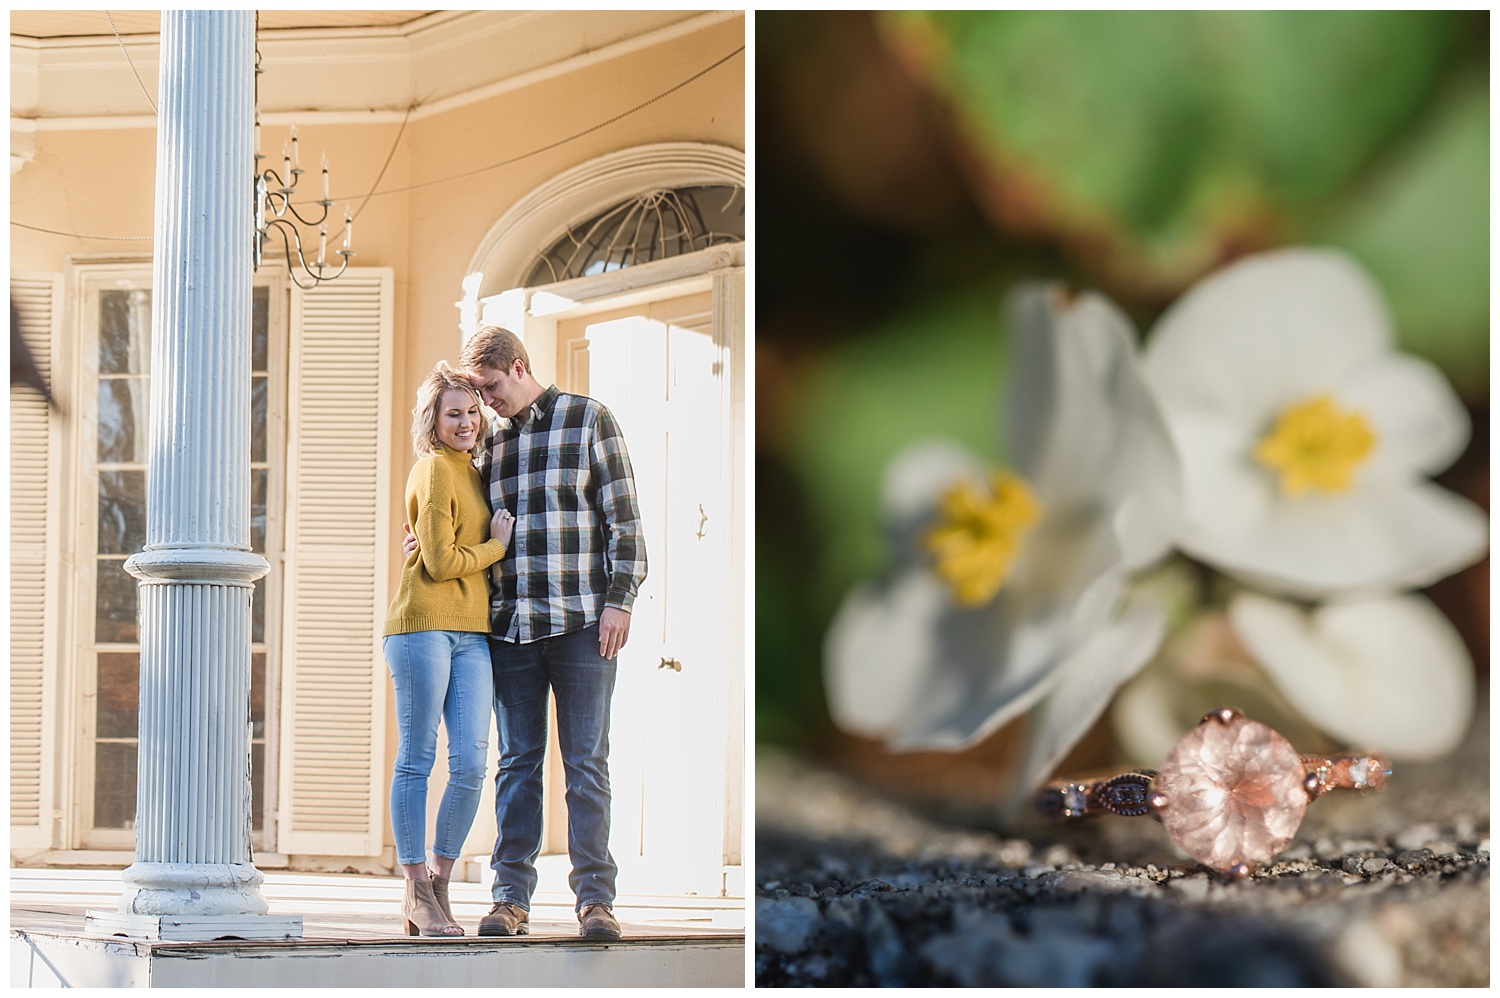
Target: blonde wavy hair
{"points": [[442, 378]]}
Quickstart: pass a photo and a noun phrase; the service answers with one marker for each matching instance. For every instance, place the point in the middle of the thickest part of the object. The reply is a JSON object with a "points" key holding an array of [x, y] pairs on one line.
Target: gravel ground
{"points": [[1381, 890]]}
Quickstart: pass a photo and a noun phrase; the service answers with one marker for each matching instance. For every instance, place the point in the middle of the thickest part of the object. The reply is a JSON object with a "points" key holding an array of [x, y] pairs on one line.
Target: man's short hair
{"points": [[495, 347], [424, 438]]}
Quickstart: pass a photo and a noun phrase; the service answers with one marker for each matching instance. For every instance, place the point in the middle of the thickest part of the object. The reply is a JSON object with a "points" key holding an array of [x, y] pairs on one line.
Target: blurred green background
{"points": [[910, 167]]}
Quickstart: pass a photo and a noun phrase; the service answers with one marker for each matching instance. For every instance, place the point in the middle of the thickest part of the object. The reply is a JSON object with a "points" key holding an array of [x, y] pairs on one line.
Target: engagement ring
{"points": [[1231, 793]]}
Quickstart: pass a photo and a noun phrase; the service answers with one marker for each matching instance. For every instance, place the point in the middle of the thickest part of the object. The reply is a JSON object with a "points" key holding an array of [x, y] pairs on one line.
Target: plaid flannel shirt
{"points": [[562, 470]]}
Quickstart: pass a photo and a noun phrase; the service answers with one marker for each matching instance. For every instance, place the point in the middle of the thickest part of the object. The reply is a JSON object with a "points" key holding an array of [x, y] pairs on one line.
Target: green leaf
{"points": [[936, 371], [788, 649], [1422, 227], [1168, 136]]}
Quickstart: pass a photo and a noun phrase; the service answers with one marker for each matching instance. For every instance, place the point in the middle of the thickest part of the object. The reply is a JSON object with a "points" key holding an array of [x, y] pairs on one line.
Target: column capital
{"points": [[201, 564]]}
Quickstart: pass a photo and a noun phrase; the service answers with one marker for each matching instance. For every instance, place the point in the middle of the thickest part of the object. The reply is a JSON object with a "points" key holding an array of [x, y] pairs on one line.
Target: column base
{"points": [[192, 928], [192, 889]]}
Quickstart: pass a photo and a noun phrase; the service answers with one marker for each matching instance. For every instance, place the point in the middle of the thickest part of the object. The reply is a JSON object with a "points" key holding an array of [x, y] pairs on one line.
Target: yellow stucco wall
{"points": [[101, 181]]}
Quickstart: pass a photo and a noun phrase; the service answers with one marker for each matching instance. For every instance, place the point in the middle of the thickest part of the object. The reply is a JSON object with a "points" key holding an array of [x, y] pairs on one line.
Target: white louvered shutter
{"points": [[33, 563], [338, 543]]}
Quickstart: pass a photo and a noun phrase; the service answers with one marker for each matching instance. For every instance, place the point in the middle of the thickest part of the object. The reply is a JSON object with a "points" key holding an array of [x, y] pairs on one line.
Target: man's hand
{"points": [[614, 628], [409, 545]]}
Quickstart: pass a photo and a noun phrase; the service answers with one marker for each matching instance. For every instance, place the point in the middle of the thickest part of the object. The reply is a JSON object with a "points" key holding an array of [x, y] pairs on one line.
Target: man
{"points": [[560, 613]]}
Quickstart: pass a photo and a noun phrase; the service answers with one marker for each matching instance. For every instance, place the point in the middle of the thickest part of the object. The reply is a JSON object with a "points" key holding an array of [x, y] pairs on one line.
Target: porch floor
{"points": [[669, 940]]}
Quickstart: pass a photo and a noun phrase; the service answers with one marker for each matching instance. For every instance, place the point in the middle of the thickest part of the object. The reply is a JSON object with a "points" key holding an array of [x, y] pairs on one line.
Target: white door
{"points": [[659, 370]]}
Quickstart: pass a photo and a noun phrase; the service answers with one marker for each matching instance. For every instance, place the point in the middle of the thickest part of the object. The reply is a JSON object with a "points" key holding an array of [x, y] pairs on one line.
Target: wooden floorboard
{"points": [[359, 908]]}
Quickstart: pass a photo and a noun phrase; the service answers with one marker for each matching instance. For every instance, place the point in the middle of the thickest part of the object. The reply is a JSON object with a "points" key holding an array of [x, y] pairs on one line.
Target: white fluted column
{"points": [[193, 876]]}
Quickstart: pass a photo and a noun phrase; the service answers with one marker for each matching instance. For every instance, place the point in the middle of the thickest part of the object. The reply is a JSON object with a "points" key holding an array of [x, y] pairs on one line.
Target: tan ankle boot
{"points": [[440, 891], [422, 914]]}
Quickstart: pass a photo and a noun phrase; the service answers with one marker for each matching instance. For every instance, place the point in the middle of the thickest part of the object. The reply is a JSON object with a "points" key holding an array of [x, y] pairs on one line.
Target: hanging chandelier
{"points": [[277, 214]]}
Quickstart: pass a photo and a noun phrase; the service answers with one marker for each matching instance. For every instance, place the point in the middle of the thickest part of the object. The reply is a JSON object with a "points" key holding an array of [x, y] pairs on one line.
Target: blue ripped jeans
{"points": [[447, 675]]}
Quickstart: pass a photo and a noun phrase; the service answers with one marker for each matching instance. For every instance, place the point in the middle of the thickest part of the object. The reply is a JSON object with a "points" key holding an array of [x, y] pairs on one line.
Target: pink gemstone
{"points": [[1234, 793]]}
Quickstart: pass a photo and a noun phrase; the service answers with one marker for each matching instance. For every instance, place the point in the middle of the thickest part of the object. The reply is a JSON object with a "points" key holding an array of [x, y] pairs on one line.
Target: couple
{"points": [[564, 551]]}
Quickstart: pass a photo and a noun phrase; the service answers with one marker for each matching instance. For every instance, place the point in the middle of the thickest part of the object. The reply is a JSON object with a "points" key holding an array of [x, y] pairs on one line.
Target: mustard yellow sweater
{"points": [[443, 585]]}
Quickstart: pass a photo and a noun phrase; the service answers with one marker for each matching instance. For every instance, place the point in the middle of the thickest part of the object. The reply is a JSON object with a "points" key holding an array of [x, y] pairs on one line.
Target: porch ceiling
{"points": [[67, 69], [87, 23]]}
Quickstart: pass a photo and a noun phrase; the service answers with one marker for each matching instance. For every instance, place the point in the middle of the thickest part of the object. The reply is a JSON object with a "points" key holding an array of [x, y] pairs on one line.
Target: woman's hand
{"points": [[502, 525]]}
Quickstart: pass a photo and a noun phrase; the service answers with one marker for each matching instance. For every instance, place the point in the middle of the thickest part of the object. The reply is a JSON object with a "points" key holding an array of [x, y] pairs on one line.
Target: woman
{"points": [[435, 643]]}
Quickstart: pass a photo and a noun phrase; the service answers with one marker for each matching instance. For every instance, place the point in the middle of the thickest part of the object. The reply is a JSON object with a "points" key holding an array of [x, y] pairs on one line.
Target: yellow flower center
{"points": [[978, 532], [1316, 445]]}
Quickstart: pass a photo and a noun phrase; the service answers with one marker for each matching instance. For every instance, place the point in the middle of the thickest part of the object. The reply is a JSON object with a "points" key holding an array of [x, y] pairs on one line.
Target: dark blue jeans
{"points": [[583, 683]]}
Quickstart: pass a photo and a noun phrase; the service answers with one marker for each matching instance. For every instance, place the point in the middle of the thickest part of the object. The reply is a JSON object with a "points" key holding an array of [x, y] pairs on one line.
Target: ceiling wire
{"points": [[395, 144], [75, 235], [575, 136], [137, 79]]}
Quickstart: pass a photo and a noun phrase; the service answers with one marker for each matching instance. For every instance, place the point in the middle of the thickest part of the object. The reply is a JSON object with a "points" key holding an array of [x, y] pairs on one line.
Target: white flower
{"points": [[1305, 439], [1007, 592], [1385, 674]]}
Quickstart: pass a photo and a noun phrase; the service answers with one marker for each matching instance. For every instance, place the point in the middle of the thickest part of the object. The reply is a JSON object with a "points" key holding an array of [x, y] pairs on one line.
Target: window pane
{"points": [[257, 786], [258, 612], [124, 332], [652, 225], [114, 785], [257, 734], [258, 694], [114, 603], [258, 480], [260, 312], [123, 420], [122, 512], [258, 418], [119, 695]]}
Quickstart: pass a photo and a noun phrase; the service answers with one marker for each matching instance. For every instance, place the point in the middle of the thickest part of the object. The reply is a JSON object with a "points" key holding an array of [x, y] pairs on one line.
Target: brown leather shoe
{"points": [[596, 921], [505, 919]]}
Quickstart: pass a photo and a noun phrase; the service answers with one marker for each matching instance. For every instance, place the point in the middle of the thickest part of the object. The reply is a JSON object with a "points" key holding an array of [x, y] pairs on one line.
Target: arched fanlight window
{"points": [[650, 226]]}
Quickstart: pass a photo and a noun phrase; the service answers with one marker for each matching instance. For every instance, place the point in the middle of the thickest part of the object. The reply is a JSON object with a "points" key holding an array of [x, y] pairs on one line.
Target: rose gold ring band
{"points": [[1129, 794], [1231, 793]]}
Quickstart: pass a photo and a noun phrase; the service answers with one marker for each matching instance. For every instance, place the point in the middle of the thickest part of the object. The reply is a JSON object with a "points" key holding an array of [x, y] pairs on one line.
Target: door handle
{"points": [[670, 663]]}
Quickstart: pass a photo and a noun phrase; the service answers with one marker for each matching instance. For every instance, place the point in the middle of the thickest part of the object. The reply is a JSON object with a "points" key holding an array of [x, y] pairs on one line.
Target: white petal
{"points": [[987, 667], [990, 667], [1386, 674], [1069, 569], [1420, 425], [1225, 495], [917, 477], [1066, 350], [904, 664], [1370, 540], [879, 653], [1086, 681], [1266, 332], [1083, 426]]}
